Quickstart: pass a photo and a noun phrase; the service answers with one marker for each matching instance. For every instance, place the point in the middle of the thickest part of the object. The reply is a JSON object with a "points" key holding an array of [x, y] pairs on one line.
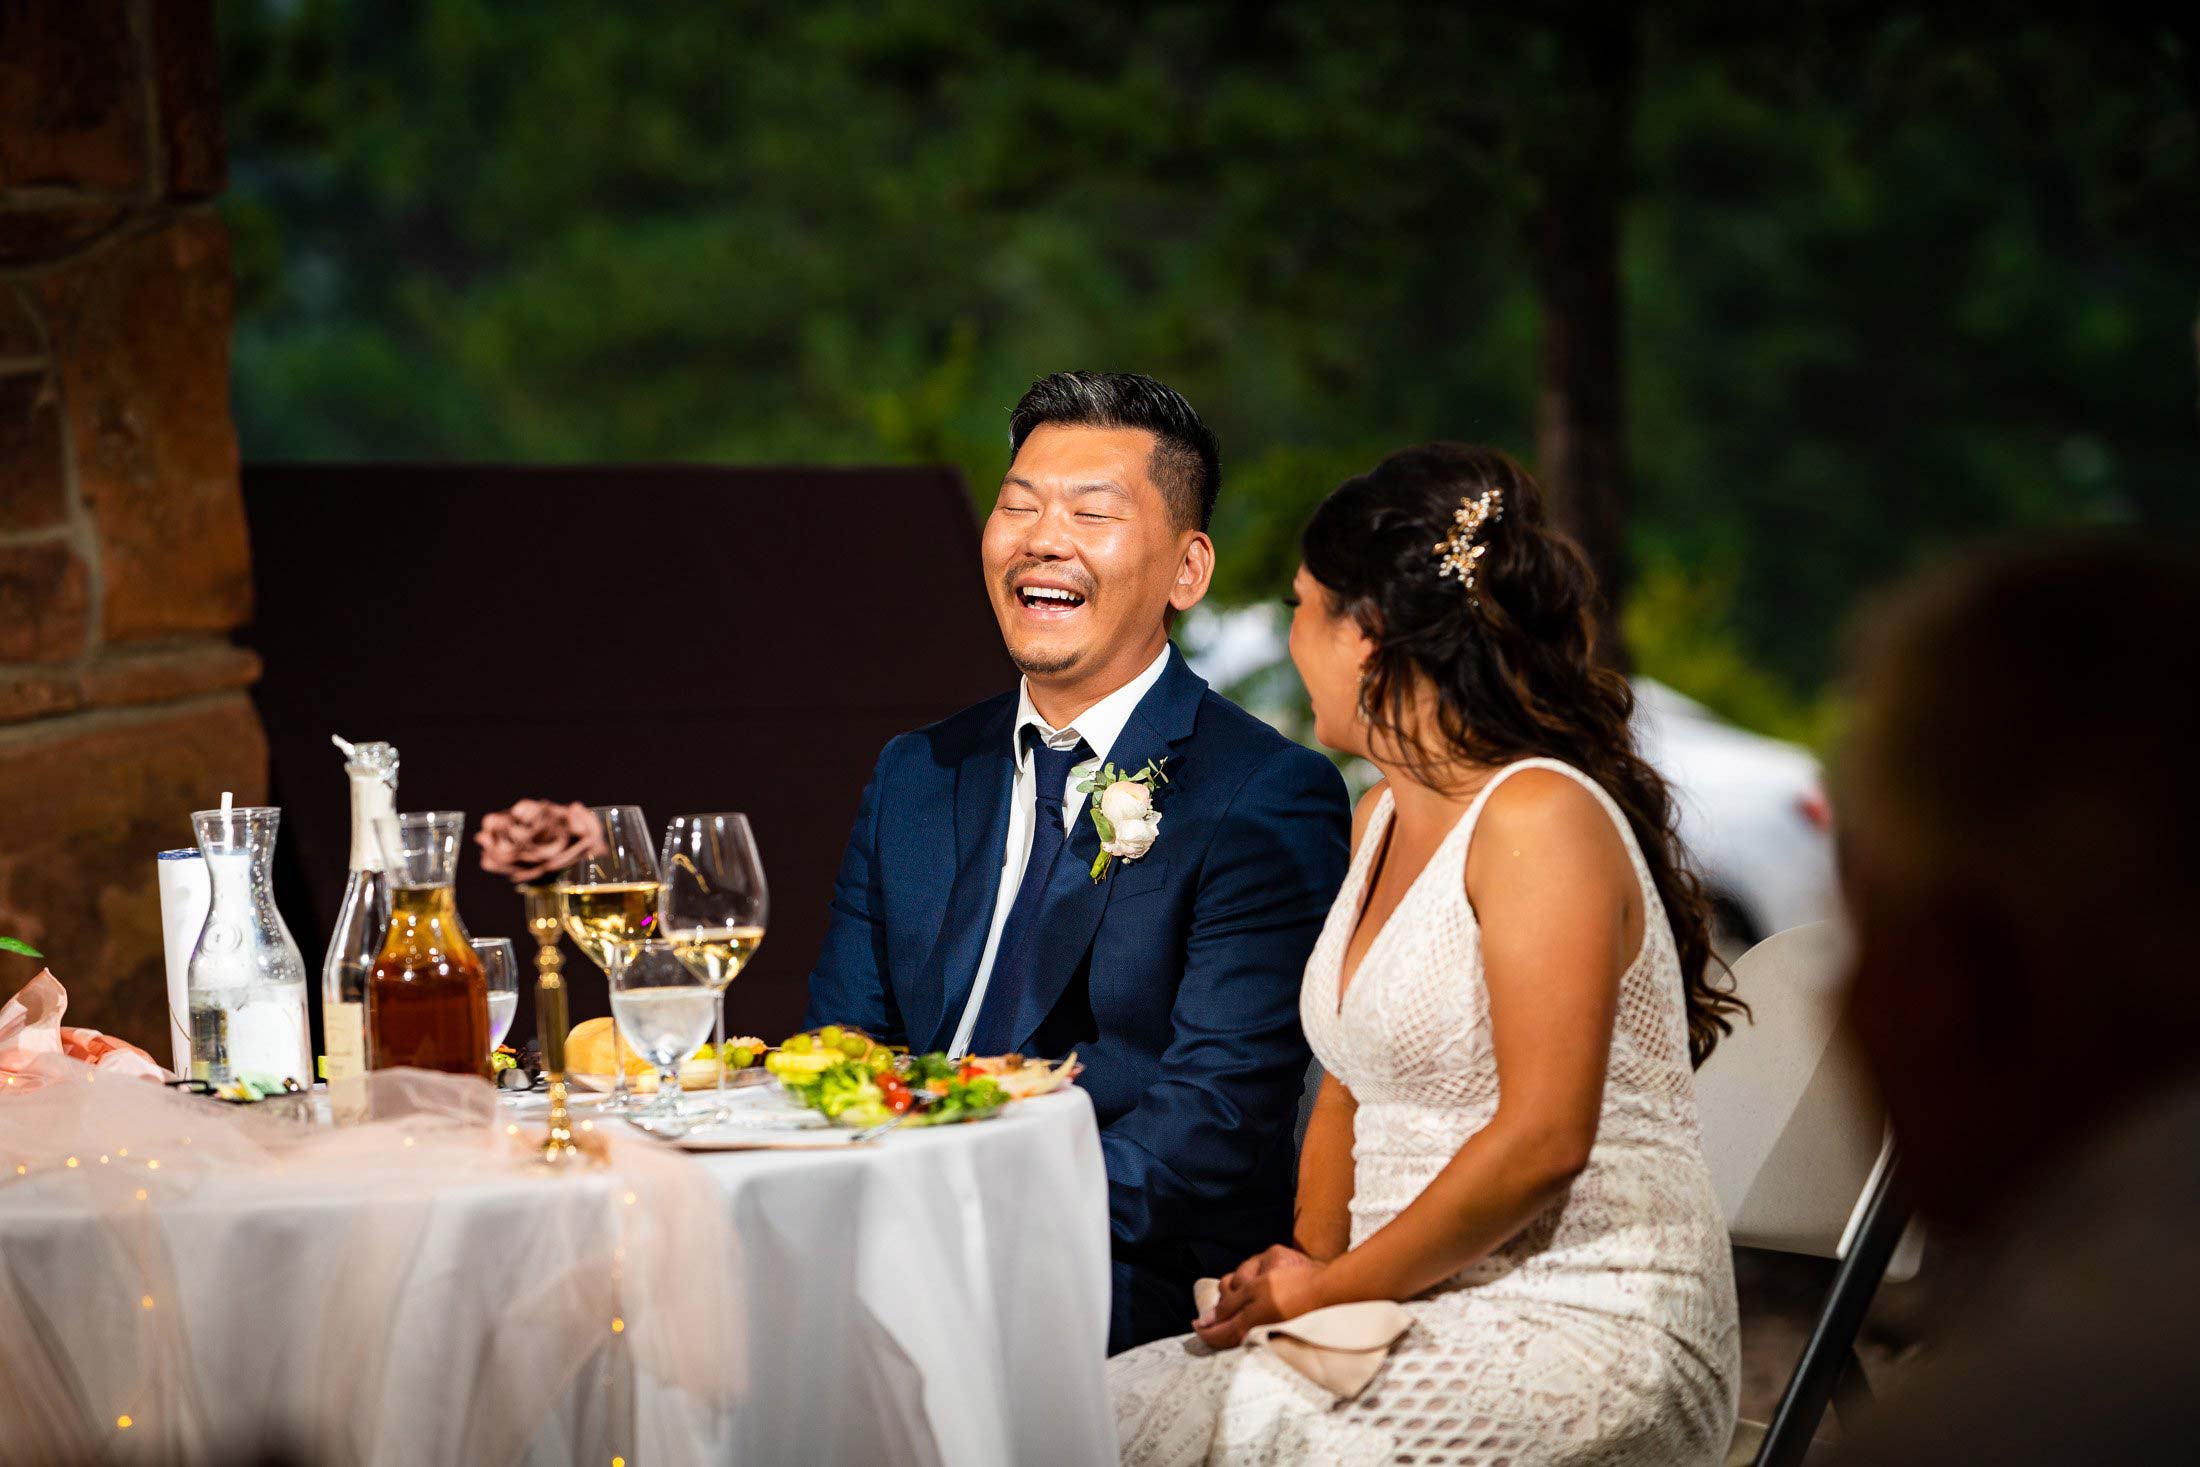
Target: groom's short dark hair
{"points": [[1186, 459]]}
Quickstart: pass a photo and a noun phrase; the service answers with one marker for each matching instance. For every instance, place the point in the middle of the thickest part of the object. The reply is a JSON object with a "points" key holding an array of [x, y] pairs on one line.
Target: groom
{"points": [[968, 916]]}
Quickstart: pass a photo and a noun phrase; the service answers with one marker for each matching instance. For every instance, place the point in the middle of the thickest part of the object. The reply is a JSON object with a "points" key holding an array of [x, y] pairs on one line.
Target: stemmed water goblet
{"points": [[663, 1008], [501, 972]]}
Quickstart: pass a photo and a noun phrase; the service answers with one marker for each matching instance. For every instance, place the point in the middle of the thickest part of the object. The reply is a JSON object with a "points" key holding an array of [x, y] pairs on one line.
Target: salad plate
{"points": [[855, 1081]]}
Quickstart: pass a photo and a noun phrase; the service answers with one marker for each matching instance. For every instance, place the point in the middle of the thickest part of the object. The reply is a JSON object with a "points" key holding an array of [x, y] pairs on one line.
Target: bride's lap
{"points": [[1467, 1386], [1178, 1404]]}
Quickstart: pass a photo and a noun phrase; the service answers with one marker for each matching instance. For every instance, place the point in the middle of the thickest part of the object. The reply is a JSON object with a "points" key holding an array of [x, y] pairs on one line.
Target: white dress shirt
{"points": [[1099, 726]]}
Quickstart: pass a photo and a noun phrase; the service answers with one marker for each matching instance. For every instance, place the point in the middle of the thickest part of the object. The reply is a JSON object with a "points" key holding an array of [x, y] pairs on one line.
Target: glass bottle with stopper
{"points": [[364, 918], [246, 985], [427, 996]]}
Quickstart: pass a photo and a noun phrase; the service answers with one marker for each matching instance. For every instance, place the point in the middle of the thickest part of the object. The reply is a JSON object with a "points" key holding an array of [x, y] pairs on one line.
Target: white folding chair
{"points": [[1802, 1162]]}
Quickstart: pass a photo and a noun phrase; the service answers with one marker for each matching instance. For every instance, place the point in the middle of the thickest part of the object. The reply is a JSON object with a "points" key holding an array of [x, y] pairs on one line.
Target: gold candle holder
{"points": [[546, 920]]}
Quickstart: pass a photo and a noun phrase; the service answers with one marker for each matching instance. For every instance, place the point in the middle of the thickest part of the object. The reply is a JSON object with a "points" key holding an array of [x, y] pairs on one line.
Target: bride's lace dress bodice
{"points": [[1602, 1332], [1411, 1041]]}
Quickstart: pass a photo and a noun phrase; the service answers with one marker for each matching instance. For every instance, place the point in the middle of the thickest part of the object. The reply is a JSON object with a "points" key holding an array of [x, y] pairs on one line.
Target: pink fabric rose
{"points": [[536, 837]]}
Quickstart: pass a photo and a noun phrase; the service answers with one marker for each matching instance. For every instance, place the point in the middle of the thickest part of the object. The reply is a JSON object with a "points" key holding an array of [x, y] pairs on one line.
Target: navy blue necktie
{"points": [[1002, 1017]]}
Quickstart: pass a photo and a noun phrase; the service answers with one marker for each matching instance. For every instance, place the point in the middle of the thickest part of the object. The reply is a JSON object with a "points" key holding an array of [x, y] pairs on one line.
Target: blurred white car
{"points": [[1752, 815], [1752, 810]]}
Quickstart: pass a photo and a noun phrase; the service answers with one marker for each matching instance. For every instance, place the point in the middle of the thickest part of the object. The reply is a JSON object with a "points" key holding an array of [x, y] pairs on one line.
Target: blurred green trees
{"points": [[1887, 285]]}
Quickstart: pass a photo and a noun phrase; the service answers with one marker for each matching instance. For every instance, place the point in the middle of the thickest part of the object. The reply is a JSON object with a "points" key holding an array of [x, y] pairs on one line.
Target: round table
{"points": [[933, 1296]]}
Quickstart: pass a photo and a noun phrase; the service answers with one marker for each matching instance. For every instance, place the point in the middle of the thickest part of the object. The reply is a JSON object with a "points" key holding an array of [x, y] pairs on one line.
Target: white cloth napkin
{"points": [[1339, 1348]]}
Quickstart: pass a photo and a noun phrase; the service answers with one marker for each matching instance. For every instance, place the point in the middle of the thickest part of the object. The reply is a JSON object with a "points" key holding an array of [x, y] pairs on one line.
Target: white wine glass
{"points": [[610, 903], [713, 905], [663, 1008]]}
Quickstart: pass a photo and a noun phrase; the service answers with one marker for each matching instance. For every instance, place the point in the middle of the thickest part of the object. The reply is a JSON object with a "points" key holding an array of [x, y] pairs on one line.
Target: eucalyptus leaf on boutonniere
{"points": [[1121, 805]]}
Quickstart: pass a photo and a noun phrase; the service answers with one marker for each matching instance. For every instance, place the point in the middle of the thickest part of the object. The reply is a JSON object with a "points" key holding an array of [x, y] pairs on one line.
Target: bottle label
{"points": [[346, 1028], [371, 801]]}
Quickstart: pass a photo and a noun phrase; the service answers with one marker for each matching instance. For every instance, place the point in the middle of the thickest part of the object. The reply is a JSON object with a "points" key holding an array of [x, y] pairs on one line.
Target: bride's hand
{"points": [[1267, 1288]]}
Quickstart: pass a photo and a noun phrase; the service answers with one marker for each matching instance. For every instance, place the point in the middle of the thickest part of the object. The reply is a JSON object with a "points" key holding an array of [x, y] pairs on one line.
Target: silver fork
{"points": [[918, 1105], [872, 1133]]}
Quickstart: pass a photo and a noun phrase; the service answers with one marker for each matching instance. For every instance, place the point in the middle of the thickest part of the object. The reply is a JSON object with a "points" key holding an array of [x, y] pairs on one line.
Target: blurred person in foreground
{"points": [[2022, 850]]}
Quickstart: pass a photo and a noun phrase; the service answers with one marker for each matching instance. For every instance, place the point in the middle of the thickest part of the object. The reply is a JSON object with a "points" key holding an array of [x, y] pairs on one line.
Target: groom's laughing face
{"points": [[1084, 555]]}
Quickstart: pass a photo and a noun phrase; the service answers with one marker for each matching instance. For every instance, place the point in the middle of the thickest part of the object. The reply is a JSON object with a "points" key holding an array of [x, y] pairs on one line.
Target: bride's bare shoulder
{"points": [[1539, 793], [1553, 814]]}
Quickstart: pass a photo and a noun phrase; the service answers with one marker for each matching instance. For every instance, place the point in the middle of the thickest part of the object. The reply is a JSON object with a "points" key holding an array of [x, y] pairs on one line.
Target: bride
{"points": [[1506, 1002]]}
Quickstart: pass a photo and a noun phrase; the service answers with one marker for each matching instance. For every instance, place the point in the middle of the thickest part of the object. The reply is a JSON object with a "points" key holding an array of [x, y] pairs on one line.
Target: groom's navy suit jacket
{"points": [[1175, 978]]}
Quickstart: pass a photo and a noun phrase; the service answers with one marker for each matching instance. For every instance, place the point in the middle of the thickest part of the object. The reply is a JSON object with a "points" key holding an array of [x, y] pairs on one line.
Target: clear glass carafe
{"points": [[428, 997], [247, 981]]}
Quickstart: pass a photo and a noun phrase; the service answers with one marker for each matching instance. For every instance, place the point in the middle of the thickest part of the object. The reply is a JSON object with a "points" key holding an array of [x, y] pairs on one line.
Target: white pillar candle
{"points": [[184, 896]]}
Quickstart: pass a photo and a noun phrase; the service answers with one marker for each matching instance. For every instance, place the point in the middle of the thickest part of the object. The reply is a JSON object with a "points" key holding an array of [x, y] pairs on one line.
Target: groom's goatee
{"points": [[1041, 666]]}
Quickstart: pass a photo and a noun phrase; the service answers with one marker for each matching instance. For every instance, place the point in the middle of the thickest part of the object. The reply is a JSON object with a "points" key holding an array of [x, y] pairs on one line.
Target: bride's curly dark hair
{"points": [[1513, 671]]}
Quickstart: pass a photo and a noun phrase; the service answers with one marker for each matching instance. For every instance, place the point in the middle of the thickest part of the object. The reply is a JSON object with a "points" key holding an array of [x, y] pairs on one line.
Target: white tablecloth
{"points": [[940, 1297], [935, 1297]]}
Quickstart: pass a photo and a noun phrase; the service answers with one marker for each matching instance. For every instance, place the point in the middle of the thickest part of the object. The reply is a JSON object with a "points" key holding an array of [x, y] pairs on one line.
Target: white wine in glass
{"points": [[610, 905], [713, 906], [604, 917], [716, 955]]}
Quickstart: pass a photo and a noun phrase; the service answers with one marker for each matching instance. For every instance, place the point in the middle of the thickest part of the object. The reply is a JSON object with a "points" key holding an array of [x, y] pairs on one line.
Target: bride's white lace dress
{"points": [[1604, 1332]]}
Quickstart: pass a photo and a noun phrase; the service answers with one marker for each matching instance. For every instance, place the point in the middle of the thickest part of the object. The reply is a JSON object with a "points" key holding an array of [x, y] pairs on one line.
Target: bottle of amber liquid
{"points": [[427, 997]]}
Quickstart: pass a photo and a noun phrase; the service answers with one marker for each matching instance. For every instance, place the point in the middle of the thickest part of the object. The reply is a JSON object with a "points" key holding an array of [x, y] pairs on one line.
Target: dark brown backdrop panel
{"points": [[678, 638]]}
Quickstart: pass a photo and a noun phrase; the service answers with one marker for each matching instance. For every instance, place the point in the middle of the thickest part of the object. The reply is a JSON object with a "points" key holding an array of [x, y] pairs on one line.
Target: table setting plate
{"points": [[734, 1138], [760, 1118], [695, 1078]]}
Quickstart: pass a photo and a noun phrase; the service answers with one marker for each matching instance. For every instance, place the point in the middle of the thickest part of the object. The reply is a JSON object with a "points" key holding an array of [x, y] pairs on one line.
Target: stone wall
{"points": [[123, 560]]}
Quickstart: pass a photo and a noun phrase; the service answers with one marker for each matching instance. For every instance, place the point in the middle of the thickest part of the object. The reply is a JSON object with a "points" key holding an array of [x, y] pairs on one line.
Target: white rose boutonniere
{"points": [[1122, 810]]}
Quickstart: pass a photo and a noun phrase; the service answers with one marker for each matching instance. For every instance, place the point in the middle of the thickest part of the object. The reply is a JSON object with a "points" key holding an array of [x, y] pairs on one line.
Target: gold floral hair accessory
{"points": [[1460, 551]]}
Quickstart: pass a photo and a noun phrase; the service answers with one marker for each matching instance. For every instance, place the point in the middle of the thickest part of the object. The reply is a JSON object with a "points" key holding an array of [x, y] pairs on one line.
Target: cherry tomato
{"points": [[969, 1071], [898, 1101]]}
